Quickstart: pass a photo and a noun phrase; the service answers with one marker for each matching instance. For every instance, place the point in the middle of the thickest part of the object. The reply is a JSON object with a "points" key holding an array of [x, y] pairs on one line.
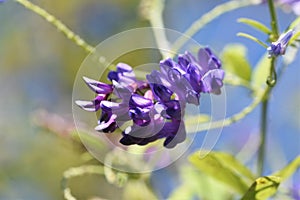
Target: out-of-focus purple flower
{"points": [[293, 4], [278, 48], [288, 5], [296, 191]]}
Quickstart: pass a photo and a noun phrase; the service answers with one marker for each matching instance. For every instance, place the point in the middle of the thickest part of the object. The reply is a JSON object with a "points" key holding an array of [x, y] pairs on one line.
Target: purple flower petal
{"points": [[123, 67], [139, 101], [98, 87], [213, 81], [278, 48], [107, 123]]}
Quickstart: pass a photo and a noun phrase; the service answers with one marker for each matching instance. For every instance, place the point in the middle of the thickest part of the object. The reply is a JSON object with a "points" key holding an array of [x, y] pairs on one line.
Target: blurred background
{"points": [[38, 66]]}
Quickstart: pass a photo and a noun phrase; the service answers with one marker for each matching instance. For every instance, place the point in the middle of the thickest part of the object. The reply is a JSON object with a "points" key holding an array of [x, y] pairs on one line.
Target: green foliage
{"points": [[255, 24], [250, 37], [138, 190], [265, 187], [294, 38], [194, 183], [224, 168], [262, 188], [288, 170], [235, 61]]}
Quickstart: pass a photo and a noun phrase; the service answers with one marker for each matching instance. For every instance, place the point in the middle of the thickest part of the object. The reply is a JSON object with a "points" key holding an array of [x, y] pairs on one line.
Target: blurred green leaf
{"points": [[218, 165], [288, 170], [235, 61], [231, 162], [294, 37], [199, 185], [293, 24], [262, 188], [261, 72], [255, 24], [138, 190], [250, 37]]}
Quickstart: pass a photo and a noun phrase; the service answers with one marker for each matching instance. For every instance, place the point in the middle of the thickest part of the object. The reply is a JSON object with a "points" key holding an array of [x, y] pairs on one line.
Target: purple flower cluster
{"points": [[155, 107]]}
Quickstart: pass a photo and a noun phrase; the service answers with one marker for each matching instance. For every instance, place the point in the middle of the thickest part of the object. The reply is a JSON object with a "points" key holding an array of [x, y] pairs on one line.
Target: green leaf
{"points": [[262, 188], [250, 37], [294, 37], [294, 24], [231, 162], [287, 171], [196, 184], [261, 72], [235, 62], [265, 187], [218, 166], [255, 24]]}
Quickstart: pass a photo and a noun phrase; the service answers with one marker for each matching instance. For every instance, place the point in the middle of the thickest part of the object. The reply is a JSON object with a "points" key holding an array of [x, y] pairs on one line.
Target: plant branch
{"points": [[263, 134], [58, 24], [236, 117], [155, 17], [78, 171], [274, 23], [206, 18]]}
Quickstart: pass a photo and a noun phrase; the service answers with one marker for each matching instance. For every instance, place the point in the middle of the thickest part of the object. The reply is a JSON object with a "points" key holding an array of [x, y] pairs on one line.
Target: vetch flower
{"points": [[154, 107], [278, 48], [166, 122], [123, 75], [190, 76], [102, 90]]}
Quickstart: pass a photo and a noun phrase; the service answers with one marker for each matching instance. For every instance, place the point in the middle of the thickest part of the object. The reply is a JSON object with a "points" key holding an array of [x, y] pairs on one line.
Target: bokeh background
{"points": [[38, 66]]}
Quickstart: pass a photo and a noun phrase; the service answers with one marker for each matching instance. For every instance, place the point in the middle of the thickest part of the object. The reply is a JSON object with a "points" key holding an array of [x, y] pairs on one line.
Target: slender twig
{"points": [[237, 117], [271, 82], [58, 24], [156, 20], [206, 18], [274, 23], [263, 134], [78, 171]]}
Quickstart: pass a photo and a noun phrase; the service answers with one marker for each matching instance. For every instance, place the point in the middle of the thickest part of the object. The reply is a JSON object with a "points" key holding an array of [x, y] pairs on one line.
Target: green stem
{"points": [[271, 82], [156, 20], [75, 172], [206, 18], [236, 117], [263, 133], [58, 24], [274, 23]]}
